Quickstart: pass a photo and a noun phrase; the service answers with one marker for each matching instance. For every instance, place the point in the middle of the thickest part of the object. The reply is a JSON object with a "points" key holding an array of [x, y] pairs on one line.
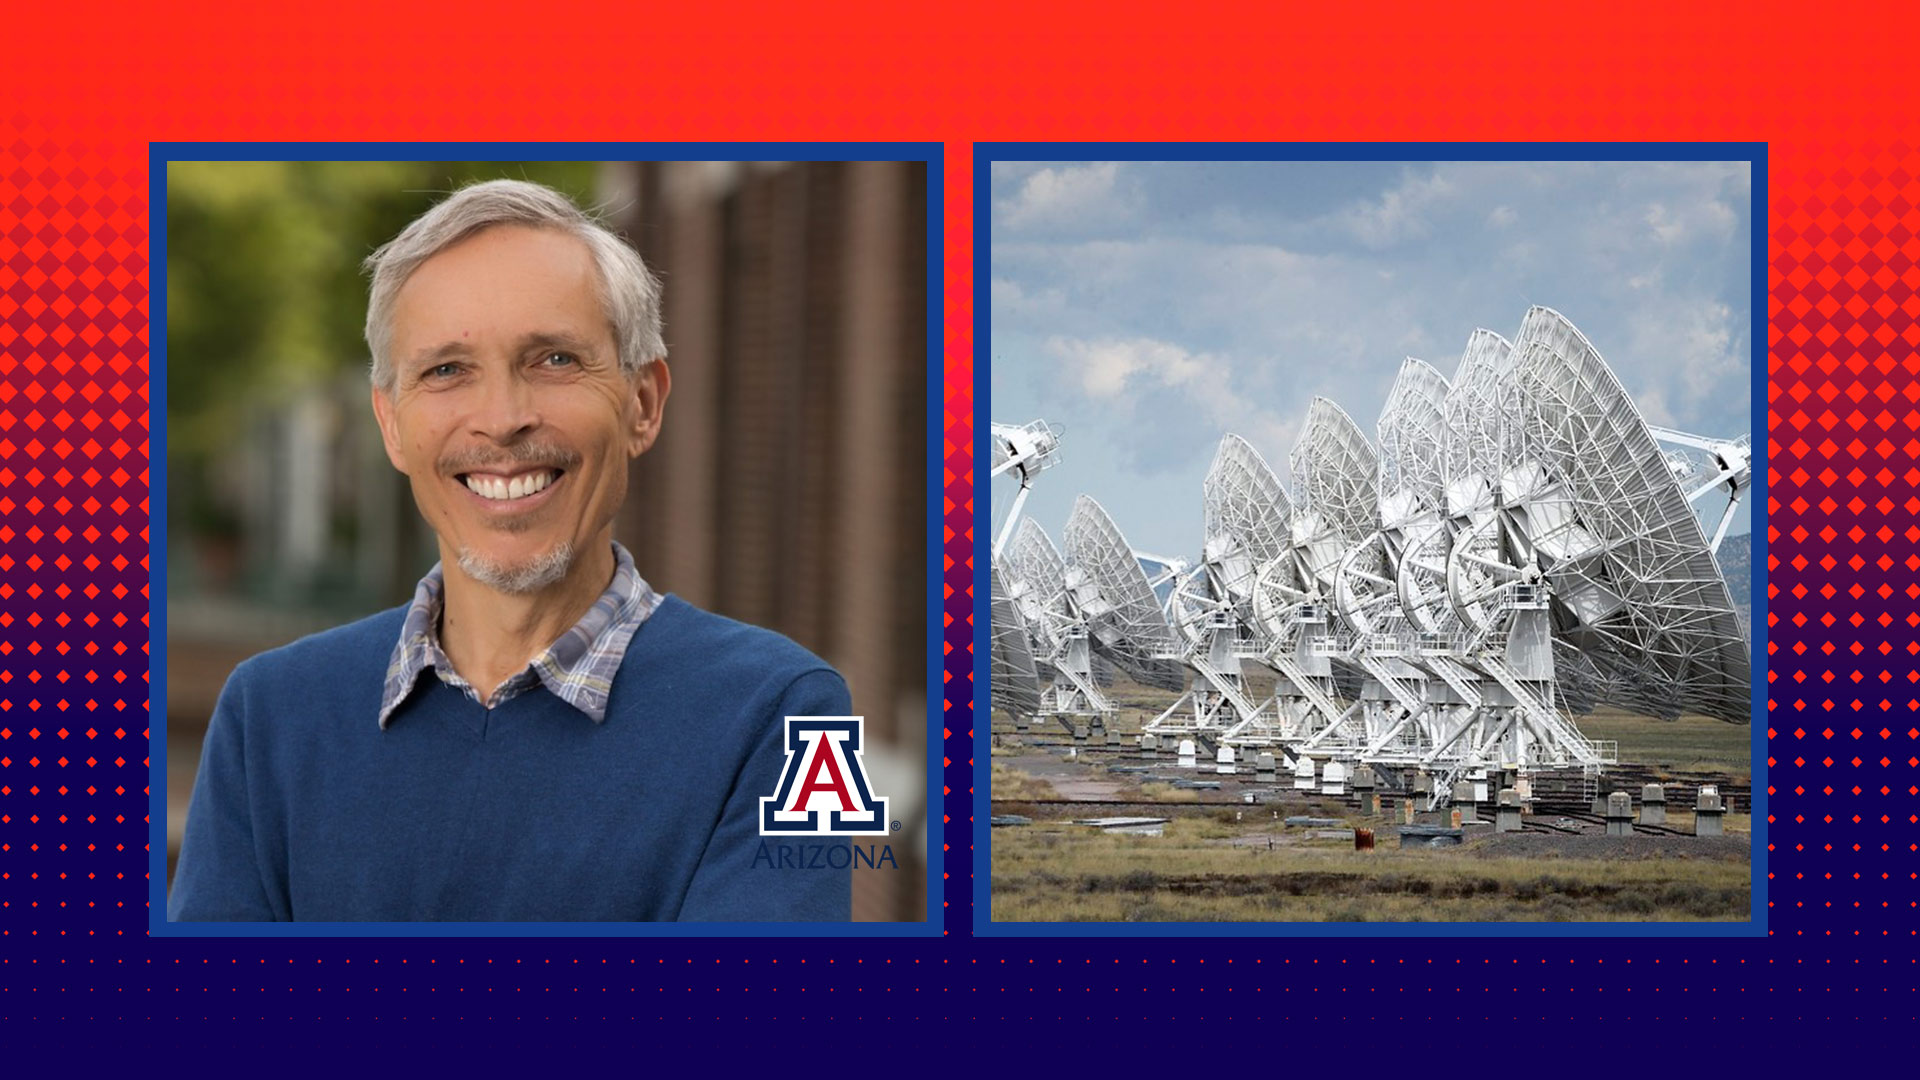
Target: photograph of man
{"points": [[540, 735]]}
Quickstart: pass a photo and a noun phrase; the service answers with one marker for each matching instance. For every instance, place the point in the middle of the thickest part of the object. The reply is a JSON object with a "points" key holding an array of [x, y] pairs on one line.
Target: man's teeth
{"points": [[493, 487]]}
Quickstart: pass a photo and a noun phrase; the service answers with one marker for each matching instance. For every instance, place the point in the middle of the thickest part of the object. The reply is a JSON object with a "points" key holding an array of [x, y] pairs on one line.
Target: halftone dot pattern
{"points": [[74, 331], [957, 542], [1843, 421], [73, 542]]}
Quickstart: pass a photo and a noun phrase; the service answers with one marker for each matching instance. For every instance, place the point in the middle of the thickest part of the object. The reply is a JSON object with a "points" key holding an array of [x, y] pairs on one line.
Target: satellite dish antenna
{"points": [[1600, 518], [1395, 702], [1248, 514], [1212, 605], [1110, 587], [1471, 453], [1292, 612], [1035, 583], [1023, 450], [1014, 673], [1336, 492], [1714, 466]]}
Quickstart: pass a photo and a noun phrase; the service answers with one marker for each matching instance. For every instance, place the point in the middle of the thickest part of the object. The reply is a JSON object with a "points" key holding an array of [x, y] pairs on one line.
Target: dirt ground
{"points": [[1225, 859]]}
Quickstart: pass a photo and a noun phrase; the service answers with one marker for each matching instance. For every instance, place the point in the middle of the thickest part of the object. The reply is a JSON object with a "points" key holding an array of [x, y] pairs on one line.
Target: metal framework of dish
{"points": [[1600, 517], [1571, 563], [1110, 588], [1211, 605], [1039, 664], [1045, 613], [1520, 547], [1024, 450], [1321, 688]]}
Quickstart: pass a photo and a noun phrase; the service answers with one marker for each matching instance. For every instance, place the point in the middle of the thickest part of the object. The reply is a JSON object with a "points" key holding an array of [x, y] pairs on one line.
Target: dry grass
{"points": [[1689, 744], [1056, 872], [1167, 793], [1012, 785]]}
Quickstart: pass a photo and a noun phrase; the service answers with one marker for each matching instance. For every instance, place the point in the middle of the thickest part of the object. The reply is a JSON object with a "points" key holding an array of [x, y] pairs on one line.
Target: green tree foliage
{"points": [[265, 297]]}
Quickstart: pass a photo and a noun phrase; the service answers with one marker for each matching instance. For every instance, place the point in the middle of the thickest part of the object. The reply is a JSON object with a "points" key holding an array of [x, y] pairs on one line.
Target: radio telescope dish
{"points": [[1474, 445], [1413, 433], [1023, 451], [1036, 583], [1248, 515], [1014, 673], [1635, 585], [1124, 618], [1211, 605], [1335, 481]]}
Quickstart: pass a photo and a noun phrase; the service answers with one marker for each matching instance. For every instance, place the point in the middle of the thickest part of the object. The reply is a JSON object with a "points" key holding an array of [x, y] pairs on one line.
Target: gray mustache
{"points": [[536, 455]]}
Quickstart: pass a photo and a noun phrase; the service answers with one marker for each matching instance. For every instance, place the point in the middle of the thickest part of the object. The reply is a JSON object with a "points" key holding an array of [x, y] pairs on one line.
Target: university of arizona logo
{"points": [[823, 789]]}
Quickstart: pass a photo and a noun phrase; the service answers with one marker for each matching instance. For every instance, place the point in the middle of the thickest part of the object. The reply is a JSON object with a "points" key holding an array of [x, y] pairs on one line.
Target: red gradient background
{"points": [[85, 90]]}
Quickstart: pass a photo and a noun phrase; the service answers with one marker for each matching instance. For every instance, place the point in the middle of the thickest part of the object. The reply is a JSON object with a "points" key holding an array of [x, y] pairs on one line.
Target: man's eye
{"points": [[443, 371], [559, 359]]}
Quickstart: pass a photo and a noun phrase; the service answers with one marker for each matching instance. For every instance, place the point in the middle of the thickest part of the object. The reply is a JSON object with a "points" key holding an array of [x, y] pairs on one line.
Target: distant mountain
{"points": [[1736, 565]]}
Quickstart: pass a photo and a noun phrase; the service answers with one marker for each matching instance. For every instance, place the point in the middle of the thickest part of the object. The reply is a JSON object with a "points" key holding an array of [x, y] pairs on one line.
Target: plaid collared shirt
{"points": [[578, 668]]}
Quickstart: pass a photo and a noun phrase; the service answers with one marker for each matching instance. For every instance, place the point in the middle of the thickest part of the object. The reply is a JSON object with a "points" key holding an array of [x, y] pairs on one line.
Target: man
{"points": [[540, 735]]}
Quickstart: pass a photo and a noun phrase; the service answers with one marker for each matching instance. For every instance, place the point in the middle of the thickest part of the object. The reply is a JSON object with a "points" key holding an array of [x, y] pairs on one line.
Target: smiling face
{"points": [[509, 412]]}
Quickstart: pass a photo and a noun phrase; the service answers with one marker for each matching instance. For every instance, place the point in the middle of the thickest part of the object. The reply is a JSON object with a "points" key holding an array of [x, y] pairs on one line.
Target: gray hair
{"points": [[629, 293]]}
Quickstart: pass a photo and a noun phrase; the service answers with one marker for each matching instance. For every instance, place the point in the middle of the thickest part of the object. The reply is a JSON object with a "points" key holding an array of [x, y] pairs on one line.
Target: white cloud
{"points": [[1398, 214], [1220, 308], [1698, 215], [1012, 301], [1689, 358], [1653, 406], [1104, 368], [1665, 229], [1173, 389], [1074, 196]]}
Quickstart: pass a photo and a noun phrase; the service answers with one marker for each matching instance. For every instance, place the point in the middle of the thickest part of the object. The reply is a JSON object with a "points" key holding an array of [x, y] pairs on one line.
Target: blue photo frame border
{"points": [[160, 154], [988, 154]]}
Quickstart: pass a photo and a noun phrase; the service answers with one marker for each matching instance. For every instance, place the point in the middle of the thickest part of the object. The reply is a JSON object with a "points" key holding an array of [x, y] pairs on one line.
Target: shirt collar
{"points": [[578, 668]]}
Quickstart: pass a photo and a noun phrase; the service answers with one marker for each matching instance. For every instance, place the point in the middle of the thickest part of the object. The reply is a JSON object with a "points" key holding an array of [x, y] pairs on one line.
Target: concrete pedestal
{"points": [[1303, 774], [1333, 779], [1463, 802], [1619, 814], [1363, 781], [1707, 814], [1507, 818], [1653, 805]]}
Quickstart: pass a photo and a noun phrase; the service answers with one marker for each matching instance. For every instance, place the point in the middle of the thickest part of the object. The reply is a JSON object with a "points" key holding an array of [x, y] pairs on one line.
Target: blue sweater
{"points": [[305, 809]]}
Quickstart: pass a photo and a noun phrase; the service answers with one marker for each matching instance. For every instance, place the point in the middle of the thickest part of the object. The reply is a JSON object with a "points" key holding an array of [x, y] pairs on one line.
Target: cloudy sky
{"points": [[1146, 308]]}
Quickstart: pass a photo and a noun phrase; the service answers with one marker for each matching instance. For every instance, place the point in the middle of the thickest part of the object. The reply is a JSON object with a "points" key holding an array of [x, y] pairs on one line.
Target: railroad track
{"points": [[1590, 818], [1549, 788], [1207, 803]]}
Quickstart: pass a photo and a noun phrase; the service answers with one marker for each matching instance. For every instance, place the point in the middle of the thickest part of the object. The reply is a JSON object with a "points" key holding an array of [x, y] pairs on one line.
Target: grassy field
{"points": [[1690, 744], [1211, 865], [1053, 872]]}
